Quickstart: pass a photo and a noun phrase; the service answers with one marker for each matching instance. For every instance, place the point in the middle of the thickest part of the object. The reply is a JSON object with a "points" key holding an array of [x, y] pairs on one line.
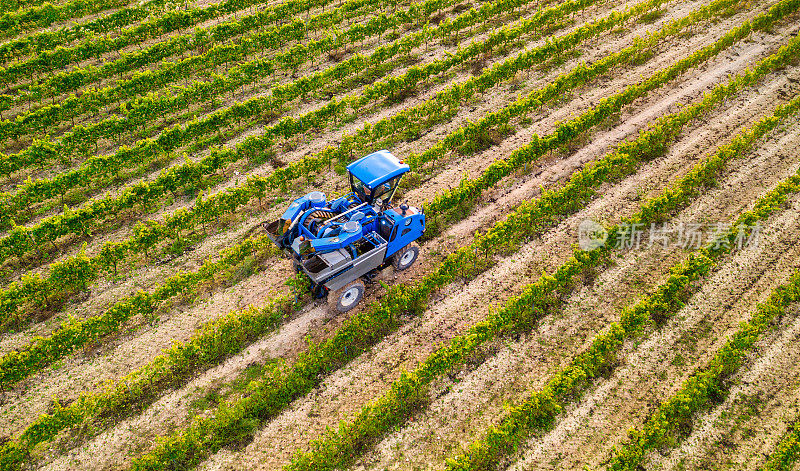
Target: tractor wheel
{"points": [[405, 257], [344, 299]]}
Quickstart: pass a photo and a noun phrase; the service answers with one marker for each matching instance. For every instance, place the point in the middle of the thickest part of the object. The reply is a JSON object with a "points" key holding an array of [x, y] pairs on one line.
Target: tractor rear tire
{"points": [[344, 299], [405, 257]]}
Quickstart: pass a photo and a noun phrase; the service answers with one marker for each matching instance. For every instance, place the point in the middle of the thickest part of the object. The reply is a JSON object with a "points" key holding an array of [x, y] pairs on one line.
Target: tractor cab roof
{"points": [[376, 168]]}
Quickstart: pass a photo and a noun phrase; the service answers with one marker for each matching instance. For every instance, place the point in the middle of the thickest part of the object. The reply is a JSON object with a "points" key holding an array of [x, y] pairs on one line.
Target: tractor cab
{"points": [[374, 178]]}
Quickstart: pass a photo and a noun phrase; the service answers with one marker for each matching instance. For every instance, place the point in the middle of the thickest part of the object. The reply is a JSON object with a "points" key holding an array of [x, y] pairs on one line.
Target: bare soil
{"points": [[739, 431]]}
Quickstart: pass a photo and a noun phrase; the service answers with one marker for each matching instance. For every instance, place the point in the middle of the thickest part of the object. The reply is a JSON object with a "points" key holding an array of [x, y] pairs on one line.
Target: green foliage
{"points": [[40, 16], [24, 239], [519, 314], [300, 284], [653, 16], [786, 453], [205, 435], [540, 409], [76, 333], [103, 35]]}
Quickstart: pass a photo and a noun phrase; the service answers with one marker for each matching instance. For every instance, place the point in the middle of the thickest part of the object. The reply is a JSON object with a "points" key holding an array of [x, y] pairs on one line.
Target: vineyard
{"points": [[609, 276]]}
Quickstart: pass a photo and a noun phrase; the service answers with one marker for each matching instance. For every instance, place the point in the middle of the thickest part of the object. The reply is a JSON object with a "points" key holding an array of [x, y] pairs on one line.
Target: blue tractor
{"points": [[342, 244]]}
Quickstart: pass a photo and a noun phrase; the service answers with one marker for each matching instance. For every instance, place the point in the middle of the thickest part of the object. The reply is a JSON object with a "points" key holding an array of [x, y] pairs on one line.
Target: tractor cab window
{"points": [[358, 188], [385, 190]]}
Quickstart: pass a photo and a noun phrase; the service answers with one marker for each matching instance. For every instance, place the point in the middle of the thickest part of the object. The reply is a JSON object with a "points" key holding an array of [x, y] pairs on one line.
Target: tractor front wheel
{"points": [[344, 299], [405, 257]]}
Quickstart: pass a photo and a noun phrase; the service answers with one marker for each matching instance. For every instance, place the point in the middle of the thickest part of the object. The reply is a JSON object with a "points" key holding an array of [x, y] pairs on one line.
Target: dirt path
{"points": [[270, 448], [658, 365], [754, 415], [87, 373], [448, 317]]}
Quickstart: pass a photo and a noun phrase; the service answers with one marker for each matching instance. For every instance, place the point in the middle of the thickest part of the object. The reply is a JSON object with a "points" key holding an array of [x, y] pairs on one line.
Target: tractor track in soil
{"points": [[386, 359], [148, 275], [88, 373], [650, 371], [741, 431], [306, 320]]}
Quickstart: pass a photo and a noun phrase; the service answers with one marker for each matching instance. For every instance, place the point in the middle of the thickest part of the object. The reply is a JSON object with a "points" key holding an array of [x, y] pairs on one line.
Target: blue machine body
{"points": [[338, 241], [315, 199], [377, 168], [402, 230]]}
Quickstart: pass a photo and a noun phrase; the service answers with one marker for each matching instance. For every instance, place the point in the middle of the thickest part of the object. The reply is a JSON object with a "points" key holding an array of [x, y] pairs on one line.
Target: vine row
{"points": [[786, 453], [76, 333], [42, 16], [32, 287], [269, 395], [537, 300], [400, 299]]}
